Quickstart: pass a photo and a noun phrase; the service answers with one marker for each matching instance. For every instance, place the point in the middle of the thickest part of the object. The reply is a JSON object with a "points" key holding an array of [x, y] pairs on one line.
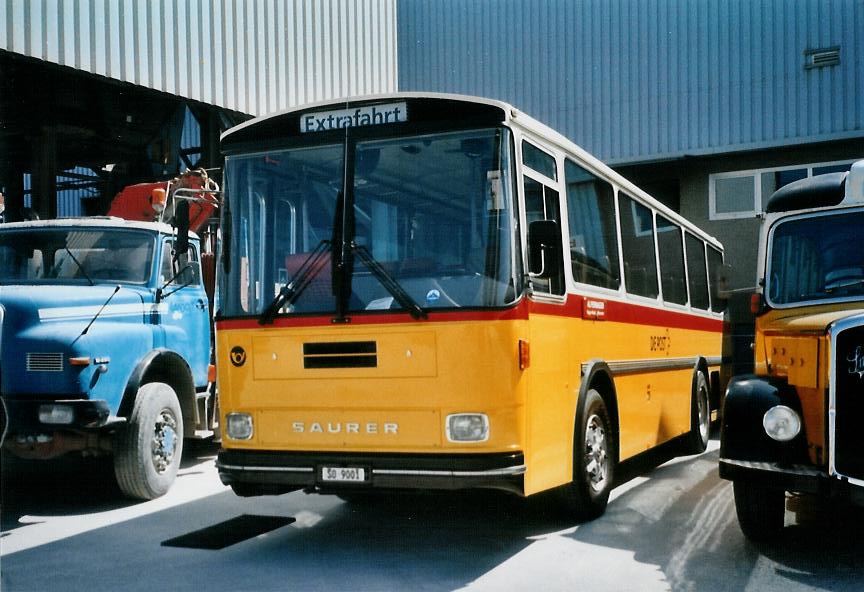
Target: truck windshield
{"points": [[816, 259], [74, 255], [434, 211]]}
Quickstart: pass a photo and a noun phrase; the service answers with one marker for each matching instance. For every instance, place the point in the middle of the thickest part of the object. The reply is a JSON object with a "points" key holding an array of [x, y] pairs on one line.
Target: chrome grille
{"points": [[44, 362], [847, 404]]}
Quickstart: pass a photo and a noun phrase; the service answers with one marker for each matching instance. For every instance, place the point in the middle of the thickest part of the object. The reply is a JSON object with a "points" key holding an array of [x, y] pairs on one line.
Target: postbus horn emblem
{"points": [[238, 356]]}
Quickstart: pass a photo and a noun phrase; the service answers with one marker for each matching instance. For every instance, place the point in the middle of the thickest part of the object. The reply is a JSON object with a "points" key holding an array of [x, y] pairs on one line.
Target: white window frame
{"points": [[755, 175]]}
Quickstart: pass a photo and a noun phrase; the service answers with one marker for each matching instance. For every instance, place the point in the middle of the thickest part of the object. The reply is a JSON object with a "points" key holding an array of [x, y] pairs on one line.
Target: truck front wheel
{"points": [[760, 510], [148, 448]]}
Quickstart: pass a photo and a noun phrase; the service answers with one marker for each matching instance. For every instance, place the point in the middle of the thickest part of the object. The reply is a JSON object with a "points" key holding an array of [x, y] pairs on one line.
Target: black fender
{"points": [[742, 436], [596, 374], [163, 365]]}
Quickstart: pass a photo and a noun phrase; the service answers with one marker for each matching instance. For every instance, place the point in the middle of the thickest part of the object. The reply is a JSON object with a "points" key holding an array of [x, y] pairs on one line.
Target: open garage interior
{"points": [[69, 140]]}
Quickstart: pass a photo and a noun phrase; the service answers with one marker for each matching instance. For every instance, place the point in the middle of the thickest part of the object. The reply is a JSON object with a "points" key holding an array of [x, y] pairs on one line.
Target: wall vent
{"points": [[821, 58]]}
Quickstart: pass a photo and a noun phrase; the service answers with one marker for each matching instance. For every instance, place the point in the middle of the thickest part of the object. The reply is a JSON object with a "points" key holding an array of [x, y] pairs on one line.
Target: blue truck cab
{"points": [[104, 345]]}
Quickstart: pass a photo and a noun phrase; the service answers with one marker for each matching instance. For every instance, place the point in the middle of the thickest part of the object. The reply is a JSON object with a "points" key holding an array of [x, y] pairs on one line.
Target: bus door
{"points": [[550, 392]]}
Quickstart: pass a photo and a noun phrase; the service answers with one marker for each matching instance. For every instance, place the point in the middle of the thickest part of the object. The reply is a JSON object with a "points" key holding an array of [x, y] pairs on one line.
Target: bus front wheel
{"points": [[593, 460]]}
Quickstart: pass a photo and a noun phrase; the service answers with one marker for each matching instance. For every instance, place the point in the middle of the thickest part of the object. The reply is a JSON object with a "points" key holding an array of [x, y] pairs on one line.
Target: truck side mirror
{"points": [[181, 222], [545, 252]]}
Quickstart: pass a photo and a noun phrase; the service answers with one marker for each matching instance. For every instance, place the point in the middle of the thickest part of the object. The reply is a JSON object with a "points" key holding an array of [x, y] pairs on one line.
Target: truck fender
{"points": [[742, 436], [163, 365], [596, 374]]}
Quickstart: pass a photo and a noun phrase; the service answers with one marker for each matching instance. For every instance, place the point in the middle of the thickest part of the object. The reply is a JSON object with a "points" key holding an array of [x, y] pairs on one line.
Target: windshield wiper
{"points": [[290, 292], [81, 267], [389, 282], [161, 295]]}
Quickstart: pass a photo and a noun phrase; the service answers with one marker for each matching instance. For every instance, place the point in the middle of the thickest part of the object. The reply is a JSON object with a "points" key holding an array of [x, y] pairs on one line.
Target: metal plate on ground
{"points": [[229, 532]]}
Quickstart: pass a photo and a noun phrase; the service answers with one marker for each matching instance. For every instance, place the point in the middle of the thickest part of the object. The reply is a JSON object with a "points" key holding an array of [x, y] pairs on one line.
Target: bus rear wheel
{"points": [[585, 498]]}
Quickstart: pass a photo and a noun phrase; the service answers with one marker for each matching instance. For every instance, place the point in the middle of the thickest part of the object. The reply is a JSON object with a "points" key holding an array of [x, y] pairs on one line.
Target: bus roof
{"points": [[506, 114]]}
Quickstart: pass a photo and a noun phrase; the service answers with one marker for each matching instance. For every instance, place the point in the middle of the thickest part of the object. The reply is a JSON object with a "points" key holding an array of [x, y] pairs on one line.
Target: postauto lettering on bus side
{"points": [[323, 121]]}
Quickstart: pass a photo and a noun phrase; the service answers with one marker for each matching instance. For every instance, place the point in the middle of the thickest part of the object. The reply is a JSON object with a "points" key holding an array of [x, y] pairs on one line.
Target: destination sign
{"points": [[324, 121]]}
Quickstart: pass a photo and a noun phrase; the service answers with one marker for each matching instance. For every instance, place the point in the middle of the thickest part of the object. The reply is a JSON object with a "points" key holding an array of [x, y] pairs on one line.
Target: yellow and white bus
{"points": [[438, 291]]}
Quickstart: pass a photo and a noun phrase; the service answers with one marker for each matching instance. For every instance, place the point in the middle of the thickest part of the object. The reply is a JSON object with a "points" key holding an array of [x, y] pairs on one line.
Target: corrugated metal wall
{"points": [[252, 56], [637, 80]]}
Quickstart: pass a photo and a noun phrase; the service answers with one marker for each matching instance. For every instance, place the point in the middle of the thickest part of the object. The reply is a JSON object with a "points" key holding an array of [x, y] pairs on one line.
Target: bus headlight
{"points": [[467, 427], [781, 423], [239, 426]]}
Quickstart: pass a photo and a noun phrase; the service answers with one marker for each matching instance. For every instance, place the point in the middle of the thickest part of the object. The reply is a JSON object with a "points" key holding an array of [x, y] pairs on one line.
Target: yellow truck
{"points": [[794, 425]]}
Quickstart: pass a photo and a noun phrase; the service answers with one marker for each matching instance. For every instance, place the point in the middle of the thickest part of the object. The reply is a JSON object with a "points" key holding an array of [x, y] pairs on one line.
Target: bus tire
{"points": [[148, 448], [700, 415], [760, 510], [585, 498]]}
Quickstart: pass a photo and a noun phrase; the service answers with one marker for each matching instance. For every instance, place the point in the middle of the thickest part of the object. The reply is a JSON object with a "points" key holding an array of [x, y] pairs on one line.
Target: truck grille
{"points": [[44, 362], [849, 402]]}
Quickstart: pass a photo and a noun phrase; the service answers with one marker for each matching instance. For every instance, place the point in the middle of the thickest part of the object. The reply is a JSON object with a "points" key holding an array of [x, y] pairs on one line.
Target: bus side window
{"points": [[715, 261], [671, 248], [637, 246], [591, 219], [542, 202], [696, 272]]}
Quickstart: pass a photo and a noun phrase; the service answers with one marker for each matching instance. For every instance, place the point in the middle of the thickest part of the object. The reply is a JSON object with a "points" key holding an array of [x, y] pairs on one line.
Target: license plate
{"points": [[343, 474]]}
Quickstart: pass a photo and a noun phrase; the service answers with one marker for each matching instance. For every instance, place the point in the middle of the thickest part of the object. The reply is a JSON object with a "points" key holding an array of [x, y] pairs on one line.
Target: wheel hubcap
{"points": [[164, 443], [596, 457]]}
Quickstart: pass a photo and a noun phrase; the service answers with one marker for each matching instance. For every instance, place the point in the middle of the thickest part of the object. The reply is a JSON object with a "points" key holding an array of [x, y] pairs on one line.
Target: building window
{"points": [[744, 194], [733, 197]]}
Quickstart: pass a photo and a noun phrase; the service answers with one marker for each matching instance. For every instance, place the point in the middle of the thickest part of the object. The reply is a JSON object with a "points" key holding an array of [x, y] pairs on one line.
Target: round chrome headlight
{"points": [[781, 423]]}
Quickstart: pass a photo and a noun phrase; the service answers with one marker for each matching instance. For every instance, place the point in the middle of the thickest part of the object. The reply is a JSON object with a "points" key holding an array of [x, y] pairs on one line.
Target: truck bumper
{"points": [[295, 470], [797, 478], [49, 415]]}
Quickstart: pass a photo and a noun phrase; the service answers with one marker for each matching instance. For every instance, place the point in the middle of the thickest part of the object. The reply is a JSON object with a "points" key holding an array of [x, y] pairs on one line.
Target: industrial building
{"points": [[710, 105], [97, 95]]}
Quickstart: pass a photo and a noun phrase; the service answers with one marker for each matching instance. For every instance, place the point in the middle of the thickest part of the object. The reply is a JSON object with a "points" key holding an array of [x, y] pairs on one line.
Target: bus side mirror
{"points": [[545, 253]]}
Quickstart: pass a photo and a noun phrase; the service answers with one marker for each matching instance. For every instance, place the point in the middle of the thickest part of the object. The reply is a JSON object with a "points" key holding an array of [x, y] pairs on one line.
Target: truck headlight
{"points": [[781, 423], [56, 414], [239, 426], [467, 427]]}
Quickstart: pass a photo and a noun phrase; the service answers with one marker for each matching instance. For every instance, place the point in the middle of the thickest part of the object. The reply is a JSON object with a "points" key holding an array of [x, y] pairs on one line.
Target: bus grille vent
{"points": [[340, 354], [44, 362]]}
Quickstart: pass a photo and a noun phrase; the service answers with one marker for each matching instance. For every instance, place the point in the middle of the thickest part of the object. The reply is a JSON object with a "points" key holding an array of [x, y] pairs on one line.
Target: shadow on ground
{"points": [[71, 484]]}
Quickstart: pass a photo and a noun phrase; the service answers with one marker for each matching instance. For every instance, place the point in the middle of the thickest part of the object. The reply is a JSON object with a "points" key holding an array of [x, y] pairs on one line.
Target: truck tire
{"points": [[585, 498], [760, 510], [700, 416], [148, 448]]}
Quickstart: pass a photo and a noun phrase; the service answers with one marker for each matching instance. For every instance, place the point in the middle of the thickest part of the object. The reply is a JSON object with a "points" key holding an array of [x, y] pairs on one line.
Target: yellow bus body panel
{"points": [[426, 371]]}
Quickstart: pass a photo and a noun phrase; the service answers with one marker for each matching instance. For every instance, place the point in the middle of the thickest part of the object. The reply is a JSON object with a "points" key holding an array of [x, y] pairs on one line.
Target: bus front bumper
{"points": [[321, 471]]}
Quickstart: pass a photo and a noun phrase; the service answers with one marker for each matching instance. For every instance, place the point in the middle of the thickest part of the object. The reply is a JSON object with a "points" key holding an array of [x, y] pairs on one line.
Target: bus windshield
{"points": [[75, 255], [817, 258], [431, 214]]}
